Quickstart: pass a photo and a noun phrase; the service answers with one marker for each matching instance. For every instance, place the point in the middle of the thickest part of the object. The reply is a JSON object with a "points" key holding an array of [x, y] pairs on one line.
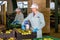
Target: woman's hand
{"points": [[35, 30]]}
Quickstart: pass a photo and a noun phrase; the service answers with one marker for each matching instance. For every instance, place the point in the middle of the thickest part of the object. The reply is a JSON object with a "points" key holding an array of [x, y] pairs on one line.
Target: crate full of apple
{"points": [[9, 33], [1, 34], [11, 38], [22, 34]]}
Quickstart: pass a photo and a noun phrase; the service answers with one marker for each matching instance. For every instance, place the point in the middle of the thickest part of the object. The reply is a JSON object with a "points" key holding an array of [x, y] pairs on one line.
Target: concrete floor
{"points": [[56, 35], [52, 32]]}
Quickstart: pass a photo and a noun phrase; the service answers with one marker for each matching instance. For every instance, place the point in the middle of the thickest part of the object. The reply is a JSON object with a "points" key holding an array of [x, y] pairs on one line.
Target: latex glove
{"points": [[23, 27], [16, 22], [13, 22], [35, 30]]}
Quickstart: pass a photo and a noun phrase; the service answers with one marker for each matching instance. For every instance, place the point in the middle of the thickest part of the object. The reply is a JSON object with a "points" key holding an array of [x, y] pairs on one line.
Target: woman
{"points": [[19, 17], [37, 20]]}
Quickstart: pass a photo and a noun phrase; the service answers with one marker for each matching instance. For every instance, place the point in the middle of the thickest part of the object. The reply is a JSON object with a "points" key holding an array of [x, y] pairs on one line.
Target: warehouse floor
{"points": [[52, 33]]}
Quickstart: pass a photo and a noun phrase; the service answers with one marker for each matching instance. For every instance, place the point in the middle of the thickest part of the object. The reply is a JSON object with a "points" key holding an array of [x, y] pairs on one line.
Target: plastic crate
{"points": [[31, 36], [1, 36], [20, 36], [8, 35]]}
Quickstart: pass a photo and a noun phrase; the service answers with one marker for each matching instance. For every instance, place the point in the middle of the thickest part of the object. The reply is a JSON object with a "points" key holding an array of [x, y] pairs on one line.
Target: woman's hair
{"points": [[17, 9]]}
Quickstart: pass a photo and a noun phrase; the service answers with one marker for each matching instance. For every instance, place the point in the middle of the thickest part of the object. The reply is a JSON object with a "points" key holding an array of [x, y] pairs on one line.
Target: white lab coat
{"points": [[37, 21], [19, 17]]}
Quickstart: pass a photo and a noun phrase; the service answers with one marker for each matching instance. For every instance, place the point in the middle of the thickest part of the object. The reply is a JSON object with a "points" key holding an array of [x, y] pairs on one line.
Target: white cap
{"points": [[17, 9], [34, 6]]}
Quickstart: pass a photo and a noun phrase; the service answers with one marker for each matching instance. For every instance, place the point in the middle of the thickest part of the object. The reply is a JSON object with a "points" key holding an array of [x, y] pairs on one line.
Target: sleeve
{"points": [[21, 18], [15, 18], [42, 21], [27, 18]]}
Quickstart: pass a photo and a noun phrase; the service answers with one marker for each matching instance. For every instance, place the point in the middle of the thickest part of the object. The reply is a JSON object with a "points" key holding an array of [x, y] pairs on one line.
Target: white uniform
{"points": [[37, 21], [19, 17]]}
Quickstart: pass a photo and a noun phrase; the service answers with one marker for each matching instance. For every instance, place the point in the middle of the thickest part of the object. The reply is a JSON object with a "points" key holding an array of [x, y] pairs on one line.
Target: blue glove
{"points": [[13, 22], [16, 22], [23, 27], [35, 30]]}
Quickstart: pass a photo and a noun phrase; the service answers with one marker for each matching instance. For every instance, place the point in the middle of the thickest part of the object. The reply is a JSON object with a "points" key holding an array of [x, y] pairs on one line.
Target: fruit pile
{"points": [[8, 31], [1, 32], [24, 32], [26, 39], [11, 38]]}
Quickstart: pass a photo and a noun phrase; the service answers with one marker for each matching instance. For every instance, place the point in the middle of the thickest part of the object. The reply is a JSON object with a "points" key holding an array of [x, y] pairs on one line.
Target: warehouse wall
{"points": [[9, 6]]}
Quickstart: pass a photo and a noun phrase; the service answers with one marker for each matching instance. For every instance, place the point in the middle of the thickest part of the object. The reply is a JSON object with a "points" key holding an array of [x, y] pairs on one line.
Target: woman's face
{"points": [[34, 9], [18, 12]]}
